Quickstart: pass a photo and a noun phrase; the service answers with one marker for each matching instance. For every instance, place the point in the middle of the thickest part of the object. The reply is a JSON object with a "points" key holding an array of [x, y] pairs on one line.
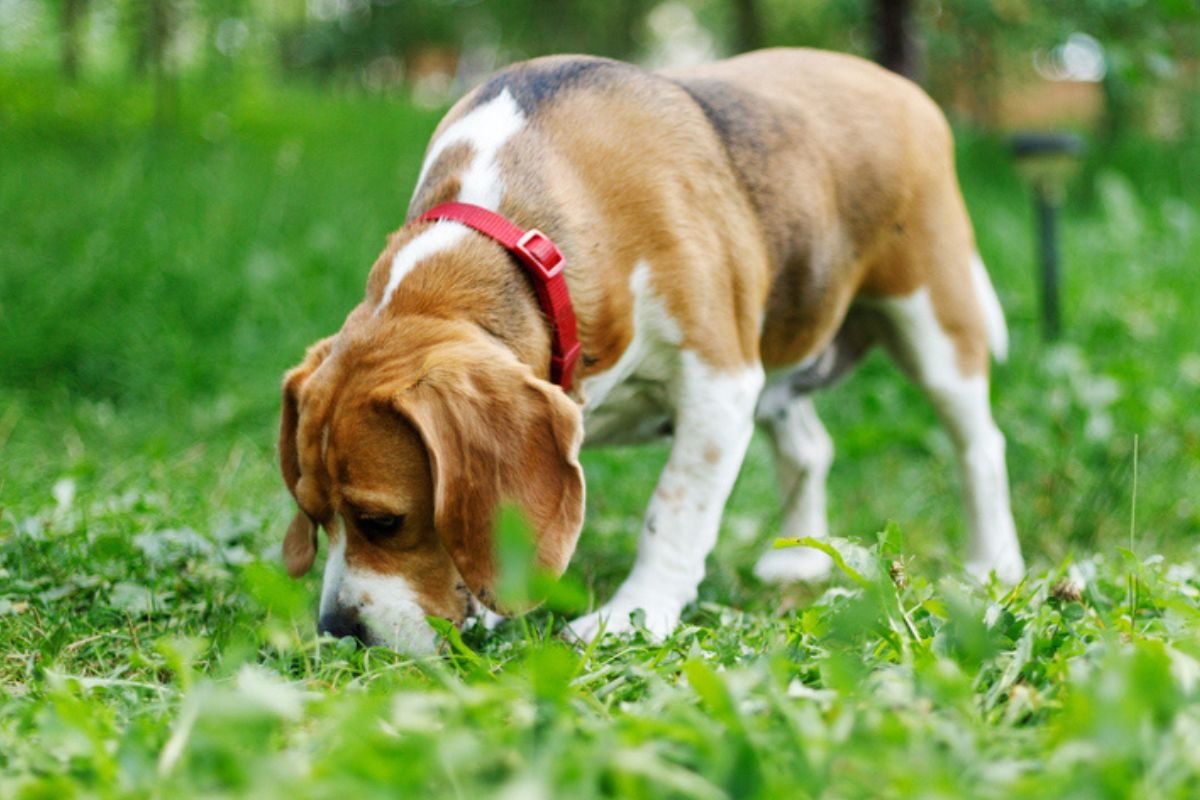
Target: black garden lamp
{"points": [[1046, 161]]}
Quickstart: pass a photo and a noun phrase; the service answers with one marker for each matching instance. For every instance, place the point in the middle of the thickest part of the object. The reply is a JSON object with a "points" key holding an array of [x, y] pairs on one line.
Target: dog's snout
{"points": [[342, 623]]}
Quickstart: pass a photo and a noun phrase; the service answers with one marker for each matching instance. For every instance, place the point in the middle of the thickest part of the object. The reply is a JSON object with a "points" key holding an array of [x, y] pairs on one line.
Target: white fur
{"points": [[442, 236], [993, 314], [714, 421], [655, 382], [335, 570], [386, 604], [803, 453], [962, 402], [629, 402], [486, 128]]}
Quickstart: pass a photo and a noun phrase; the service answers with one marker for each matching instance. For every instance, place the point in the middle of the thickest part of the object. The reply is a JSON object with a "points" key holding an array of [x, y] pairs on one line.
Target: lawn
{"points": [[156, 281]]}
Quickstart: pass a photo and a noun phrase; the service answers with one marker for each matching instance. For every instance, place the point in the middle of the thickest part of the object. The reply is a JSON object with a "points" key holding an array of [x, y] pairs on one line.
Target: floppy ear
{"points": [[300, 542], [495, 433]]}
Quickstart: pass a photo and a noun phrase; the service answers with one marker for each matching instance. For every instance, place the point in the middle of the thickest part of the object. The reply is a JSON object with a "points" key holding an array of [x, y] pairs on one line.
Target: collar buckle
{"points": [[540, 253]]}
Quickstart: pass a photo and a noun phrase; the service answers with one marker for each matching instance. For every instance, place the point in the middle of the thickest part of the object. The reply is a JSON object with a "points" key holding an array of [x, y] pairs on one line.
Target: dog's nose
{"points": [[342, 623]]}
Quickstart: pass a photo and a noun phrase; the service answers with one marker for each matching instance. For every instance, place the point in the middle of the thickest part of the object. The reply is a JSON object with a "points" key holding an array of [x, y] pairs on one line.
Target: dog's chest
{"points": [[633, 401], [636, 410]]}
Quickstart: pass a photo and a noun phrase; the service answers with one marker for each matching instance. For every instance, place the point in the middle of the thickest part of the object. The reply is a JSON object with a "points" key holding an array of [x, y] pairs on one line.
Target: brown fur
{"points": [[441, 425], [765, 193], [852, 176], [300, 543]]}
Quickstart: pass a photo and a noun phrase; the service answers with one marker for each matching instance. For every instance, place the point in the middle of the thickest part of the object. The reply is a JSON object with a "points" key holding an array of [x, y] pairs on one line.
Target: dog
{"points": [[736, 236]]}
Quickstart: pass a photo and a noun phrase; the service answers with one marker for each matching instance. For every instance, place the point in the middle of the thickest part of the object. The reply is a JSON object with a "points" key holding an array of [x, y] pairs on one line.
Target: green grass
{"points": [[156, 282]]}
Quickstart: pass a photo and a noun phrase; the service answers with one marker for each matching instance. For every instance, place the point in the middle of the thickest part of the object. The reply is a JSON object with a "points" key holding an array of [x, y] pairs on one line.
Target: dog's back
{"points": [[779, 185], [842, 160]]}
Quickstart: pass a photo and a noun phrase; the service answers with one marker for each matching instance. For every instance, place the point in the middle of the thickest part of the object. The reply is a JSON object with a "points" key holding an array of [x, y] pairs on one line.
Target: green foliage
{"points": [[903, 686], [180, 230], [154, 284]]}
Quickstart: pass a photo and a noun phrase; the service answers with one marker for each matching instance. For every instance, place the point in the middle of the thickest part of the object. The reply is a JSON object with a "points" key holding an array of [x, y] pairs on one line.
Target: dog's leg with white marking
{"points": [[930, 358], [713, 425], [803, 453]]}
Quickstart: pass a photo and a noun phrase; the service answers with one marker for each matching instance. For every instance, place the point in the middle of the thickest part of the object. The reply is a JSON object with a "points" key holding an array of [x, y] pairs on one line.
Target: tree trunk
{"points": [[157, 33], [72, 15], [160, 28], [896, 42], [628, 25], [747, 25]]}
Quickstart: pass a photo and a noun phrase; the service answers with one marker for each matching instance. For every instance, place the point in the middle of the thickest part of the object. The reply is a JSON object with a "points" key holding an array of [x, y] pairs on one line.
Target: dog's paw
{"points": [[620, 617], [793, 565]]}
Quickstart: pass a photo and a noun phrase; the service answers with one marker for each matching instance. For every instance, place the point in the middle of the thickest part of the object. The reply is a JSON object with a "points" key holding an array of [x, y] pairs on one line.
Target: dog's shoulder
{"points": [[535, 83]]}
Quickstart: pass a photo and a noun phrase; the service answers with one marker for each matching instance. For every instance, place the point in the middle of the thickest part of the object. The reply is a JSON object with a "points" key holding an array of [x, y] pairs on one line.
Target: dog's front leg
{"points": [[713, 424]]}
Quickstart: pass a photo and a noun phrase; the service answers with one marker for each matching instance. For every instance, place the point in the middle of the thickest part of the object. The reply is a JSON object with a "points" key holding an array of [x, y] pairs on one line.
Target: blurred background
{"points": [[1120, 64], [191, 192], [222, 74]]}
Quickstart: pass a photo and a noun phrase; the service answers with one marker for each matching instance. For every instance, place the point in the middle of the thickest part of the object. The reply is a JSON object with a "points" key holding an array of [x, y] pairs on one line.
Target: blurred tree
{"points": [[970, 51], [71, 13], [225, 31], [833, 24], [896, 37], [749, 26], [357, 34], [152, 25], [1151, 56], [965, 43], [600, 27], [158, 20]]}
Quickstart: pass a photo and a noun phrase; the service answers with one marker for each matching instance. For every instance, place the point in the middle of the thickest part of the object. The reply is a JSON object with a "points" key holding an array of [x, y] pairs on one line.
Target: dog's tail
{"points": [[993, 314]]}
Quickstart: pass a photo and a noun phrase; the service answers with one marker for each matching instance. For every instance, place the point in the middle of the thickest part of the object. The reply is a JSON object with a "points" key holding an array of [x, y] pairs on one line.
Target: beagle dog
{"points": [[735, 236]]}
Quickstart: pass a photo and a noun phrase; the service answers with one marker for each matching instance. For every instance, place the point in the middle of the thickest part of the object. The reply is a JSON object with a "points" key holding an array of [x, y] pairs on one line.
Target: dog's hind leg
{"points": [[803, 452], [940, 336]]}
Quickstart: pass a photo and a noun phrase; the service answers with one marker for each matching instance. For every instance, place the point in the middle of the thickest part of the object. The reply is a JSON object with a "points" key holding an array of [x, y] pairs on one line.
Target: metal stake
{"points": [[1046, 160], [1047, 213]]}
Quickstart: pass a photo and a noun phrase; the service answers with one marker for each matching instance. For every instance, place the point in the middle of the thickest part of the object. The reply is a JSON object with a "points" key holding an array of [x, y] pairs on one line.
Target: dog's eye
{"points": [[380, 526]]}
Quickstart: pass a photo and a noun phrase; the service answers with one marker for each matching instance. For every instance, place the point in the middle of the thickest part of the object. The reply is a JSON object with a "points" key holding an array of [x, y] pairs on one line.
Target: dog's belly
{"points": [[634, 411]]}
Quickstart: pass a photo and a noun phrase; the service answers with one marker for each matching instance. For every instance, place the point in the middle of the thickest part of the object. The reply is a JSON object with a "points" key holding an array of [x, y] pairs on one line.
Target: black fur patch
{"points": [[728, 110], [531, 85], [749, 132]]}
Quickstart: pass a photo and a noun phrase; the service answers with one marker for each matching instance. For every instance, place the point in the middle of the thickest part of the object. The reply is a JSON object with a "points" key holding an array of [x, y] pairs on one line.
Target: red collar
{"points": [[543, 262]]}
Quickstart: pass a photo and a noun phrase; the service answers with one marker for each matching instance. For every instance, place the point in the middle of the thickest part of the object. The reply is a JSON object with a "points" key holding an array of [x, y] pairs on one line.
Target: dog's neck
{"points": [[453, 273]]}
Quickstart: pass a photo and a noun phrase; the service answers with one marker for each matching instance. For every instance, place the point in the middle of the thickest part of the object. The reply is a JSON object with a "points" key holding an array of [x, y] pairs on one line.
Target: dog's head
{"points": [[403, 443]]}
